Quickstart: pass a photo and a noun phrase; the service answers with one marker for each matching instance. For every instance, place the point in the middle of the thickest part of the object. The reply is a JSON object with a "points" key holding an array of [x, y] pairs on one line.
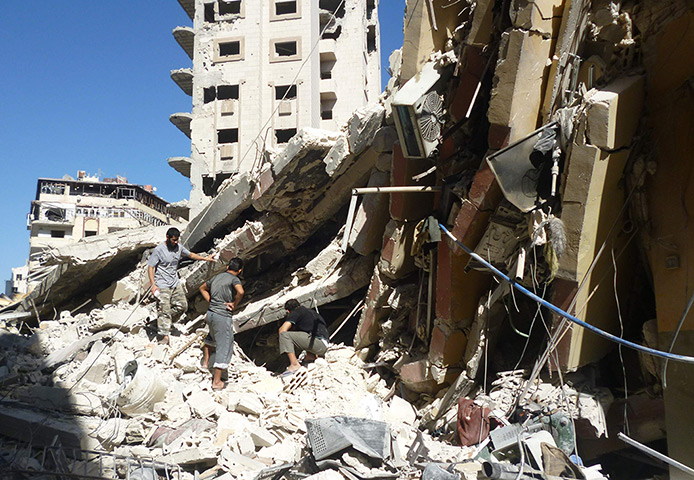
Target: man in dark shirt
{"points": [[224, 292], [303, 329]]}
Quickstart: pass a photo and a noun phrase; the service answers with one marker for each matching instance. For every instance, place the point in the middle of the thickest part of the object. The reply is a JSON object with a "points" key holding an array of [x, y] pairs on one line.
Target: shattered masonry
{"points": [[556, 137]]}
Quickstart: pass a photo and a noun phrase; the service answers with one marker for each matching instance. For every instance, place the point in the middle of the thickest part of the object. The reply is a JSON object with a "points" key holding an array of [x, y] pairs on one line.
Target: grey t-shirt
{"points": [[165, 263], [222, 290]]}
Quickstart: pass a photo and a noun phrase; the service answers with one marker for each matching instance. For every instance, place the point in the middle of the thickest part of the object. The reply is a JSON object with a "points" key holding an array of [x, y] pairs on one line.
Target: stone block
{"points": [[542, 16], [122, 290], [447, 344], [614, 113], [457, 304], [401, 411], [384, 139], [202, 404], [246, 403], [417, 377], [396, 258], [409, 206], [371, 217], [363, 125], [518, 79], [261, 436], [192, 456]]}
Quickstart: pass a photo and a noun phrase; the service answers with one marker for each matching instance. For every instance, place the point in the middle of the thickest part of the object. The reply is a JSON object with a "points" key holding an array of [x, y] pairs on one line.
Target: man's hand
{"points": [[155, 290], [230, 305], [211, 259]]}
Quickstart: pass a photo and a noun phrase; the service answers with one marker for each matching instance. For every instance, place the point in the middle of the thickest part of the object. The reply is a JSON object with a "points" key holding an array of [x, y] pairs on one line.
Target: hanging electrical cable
{"points": [[559, 311]]}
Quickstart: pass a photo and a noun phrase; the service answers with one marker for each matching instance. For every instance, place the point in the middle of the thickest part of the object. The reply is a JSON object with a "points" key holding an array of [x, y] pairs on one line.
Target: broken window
{"points": [[285, 50], [333, 7], [89, 233], [229, 7], [371, 39], [228, 92], [209, 12], [58, 233], [285, 8], [370, 6], [285, 92], [284, 135], [326, 114], [228, 135], [211, 184], [209, 94], [228, 49]]}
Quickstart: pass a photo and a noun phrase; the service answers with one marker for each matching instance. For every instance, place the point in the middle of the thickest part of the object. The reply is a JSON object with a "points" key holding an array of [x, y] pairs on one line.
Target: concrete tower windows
{"points": [[285, 10], [284, 135], [285, 49], [370, 6], [221, 92], [285, 92], [229, 135], [230, 7], [371, 38], [228, 49], [209, 12]]}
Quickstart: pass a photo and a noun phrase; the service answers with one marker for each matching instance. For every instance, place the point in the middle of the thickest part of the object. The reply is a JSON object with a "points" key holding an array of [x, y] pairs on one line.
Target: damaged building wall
{"points": [[242, 47]]}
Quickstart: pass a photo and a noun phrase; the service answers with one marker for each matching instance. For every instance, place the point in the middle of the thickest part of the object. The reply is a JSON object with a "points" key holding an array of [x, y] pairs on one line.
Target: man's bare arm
{"points": [[195, 256], [150, 271], [286, 326], [205, 291], [237, 299]]}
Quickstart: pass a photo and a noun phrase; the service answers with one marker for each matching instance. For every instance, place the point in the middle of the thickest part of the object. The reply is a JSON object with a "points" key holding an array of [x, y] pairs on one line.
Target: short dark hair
{"points": [[173, 232], [235, 264], [291, 304]]}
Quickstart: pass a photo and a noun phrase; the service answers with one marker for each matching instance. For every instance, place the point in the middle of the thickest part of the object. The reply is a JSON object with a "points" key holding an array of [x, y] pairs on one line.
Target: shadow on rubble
{"points": [[51, 430]]}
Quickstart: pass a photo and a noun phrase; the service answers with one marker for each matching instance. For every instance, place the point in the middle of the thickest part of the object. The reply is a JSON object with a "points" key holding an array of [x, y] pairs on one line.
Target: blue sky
{"points": [[87, 87]]}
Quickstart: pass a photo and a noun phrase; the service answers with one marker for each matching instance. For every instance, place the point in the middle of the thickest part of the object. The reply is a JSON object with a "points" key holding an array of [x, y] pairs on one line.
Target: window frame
{"points": [[274, 58], [218, 58], [274, 17]]}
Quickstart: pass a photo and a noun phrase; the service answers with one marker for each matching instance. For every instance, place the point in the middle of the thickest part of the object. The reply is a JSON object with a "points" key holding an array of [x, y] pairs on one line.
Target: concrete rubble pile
{"points": [[525, 172], [136, 398]]}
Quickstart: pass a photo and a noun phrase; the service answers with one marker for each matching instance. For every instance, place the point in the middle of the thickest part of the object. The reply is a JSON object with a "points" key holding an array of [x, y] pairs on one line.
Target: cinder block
{"points": [[614, 113]]}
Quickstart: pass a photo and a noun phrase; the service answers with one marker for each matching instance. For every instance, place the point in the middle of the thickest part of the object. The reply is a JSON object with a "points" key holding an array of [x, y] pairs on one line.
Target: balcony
{"points": [[189, 7], [184, 79], [185, 36], [181, 165], [326, 47], [182, 121]]}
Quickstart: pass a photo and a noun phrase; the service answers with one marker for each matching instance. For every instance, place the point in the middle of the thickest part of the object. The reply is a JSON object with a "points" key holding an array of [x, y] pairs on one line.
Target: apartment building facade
{"points": [[262, 70], [66, 210]]}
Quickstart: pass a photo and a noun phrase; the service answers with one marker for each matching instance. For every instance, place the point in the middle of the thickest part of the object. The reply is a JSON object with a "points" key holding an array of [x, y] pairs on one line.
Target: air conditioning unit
{"points": [[227, 107], [285, 108], [419, 112], [227, 151]]}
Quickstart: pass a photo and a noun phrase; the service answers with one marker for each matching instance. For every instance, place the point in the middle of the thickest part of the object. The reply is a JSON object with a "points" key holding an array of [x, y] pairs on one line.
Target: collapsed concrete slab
{"points": [[84, 268]]}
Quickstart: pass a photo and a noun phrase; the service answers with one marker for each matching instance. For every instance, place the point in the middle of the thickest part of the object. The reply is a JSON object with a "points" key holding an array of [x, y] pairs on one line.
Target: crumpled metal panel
{"points": [[333, 434]]}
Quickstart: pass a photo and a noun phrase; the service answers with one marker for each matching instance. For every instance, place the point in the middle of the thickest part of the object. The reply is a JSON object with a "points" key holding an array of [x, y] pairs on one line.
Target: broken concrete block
{"points": [[244, 444], [363, 125], [542, 16], [481, 25], [396, 257], [400, 410], [192, 456], [371, 217], [246, 403], [417, 377], [287, 451], [517, 93], [236, 463], [121, 291], [337, 155], [614, 112], [202, 404], [220, 213], [447, 344], [374, 311], [384, 139], [261, 436]]}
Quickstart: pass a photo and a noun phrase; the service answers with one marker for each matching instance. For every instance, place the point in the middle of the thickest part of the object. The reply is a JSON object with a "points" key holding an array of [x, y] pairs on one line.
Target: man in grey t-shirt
{"points": [[163, 276], [224, 292]]}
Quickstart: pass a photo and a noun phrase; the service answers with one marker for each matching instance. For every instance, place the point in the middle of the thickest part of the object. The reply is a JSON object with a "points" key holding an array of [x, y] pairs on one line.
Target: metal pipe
{"points": [[655, 454]]}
